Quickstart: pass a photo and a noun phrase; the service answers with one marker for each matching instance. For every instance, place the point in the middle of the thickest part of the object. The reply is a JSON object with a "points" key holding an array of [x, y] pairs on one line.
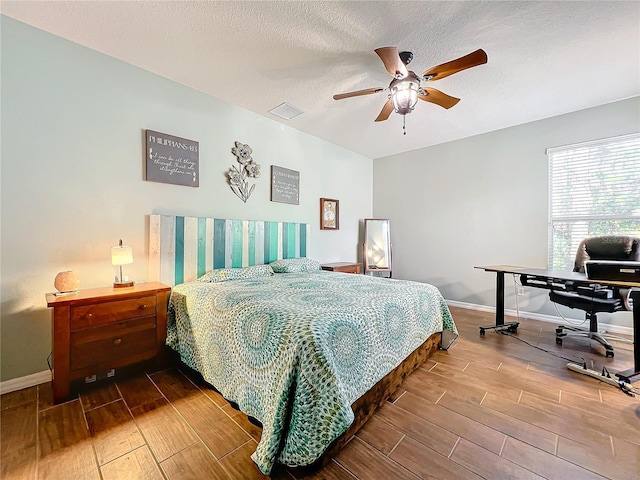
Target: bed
{"points": [[308, 353]]}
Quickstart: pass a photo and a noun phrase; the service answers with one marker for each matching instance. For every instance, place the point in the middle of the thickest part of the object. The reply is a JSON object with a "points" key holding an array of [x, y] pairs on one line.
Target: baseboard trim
{"points": [[25, 382], [604, 327]]}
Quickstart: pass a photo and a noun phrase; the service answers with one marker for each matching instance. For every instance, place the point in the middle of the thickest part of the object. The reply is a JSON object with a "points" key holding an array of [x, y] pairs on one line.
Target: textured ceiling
{"points": [[545, 58]]}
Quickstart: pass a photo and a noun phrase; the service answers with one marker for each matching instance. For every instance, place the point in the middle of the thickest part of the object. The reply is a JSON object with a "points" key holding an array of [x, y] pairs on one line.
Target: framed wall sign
{"points": [[329, 214], [285, 185], [172, 159]]}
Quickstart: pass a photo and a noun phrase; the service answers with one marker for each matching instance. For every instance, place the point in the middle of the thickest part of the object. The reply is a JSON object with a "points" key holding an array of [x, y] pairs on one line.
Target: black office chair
{"points": [[595, 298]]}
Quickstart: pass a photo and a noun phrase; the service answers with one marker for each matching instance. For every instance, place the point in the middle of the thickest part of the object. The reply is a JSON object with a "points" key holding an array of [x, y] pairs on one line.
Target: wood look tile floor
{"points": [[490, 407]]}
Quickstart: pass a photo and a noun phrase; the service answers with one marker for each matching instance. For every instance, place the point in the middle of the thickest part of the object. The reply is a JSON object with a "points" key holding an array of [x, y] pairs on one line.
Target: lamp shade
{"points": [[121, 255]]}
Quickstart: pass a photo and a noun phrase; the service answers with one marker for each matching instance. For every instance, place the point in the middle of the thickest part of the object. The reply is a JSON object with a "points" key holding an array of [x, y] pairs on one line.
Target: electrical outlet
{"points": [[520, 290]]}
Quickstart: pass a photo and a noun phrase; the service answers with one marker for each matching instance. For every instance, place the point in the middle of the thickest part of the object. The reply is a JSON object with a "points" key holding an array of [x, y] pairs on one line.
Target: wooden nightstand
{"points": [[100, 329], [345, 267]]}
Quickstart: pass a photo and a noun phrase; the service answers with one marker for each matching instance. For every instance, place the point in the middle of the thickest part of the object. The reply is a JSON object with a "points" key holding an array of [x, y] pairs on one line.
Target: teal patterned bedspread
{"points": [[295, 350]]}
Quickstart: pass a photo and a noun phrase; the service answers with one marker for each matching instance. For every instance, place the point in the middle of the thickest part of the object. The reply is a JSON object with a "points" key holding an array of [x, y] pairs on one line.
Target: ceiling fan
{"points": [[405, 89]]}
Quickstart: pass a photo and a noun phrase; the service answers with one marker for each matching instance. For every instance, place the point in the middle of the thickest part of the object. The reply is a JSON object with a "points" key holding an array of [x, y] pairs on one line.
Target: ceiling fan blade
{"points": [[392, 62], [454, 66], [439, 98], [368, 91], [385, 112]]}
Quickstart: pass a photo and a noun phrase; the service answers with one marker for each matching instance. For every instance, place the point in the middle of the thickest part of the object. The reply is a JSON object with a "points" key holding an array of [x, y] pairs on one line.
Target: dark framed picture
{"points": [[329, 214]]}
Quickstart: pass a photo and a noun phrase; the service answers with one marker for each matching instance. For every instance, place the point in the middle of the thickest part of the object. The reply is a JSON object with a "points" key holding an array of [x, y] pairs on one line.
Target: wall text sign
{"points": [[285, 185], [172, 159]]}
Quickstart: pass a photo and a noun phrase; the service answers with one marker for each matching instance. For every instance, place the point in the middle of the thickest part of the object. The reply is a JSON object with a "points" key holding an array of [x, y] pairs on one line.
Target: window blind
{"points": [[594, 189]]}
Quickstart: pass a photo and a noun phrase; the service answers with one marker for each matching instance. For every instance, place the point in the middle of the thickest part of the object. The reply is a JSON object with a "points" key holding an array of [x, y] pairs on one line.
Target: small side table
{"points": [[344, 267], [100, 329]]}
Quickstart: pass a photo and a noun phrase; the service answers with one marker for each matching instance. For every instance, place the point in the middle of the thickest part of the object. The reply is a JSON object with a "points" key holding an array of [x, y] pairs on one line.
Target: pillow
{"points": [[292, 265], [224, 274]]}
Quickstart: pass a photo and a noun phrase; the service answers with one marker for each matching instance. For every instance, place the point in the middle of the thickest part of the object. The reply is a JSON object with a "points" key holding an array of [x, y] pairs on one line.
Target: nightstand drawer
{"points": [[107, 312], [112, 342]]}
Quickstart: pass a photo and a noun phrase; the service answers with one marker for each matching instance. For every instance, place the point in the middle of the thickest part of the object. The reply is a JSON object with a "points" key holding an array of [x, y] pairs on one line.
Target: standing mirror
{"points": [[377, 247]]}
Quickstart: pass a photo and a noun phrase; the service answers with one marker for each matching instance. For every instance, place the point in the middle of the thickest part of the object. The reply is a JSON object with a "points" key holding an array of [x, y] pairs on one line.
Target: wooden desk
{"points": [[552, 276]]}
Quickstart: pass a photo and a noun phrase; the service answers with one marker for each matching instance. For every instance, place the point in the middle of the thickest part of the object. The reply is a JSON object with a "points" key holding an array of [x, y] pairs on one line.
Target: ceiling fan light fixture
{"points": [[404, 95], [405, 89]]}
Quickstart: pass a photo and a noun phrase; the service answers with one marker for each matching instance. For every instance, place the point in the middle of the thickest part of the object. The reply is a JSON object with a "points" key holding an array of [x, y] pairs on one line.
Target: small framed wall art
{"points": [[329, 214]]}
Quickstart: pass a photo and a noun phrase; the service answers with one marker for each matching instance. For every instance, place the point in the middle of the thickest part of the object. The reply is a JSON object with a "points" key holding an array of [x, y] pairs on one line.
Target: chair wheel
{"points": [[513, 329], [558, 341], [559, 330], [609, 354], [482, 332]]}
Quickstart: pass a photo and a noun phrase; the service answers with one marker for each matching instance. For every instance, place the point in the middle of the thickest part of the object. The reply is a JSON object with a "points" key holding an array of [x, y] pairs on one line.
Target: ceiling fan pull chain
{"points": [[404, 121]]}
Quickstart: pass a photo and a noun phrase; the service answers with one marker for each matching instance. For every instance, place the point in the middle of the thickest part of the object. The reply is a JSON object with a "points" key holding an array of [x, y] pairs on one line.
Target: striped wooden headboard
{"points": [[183, 248]]}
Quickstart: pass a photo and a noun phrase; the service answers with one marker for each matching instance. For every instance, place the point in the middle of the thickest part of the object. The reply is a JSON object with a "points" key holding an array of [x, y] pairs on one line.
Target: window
{"points": [[594, 189]]}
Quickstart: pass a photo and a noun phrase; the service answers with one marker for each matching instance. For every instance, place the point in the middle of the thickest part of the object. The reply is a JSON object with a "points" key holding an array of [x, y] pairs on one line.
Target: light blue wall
{"points": [[483, 200], [72, 175]]}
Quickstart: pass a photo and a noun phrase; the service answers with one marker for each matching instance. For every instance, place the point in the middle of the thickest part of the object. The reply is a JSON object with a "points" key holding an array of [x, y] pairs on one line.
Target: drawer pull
{"points": [[89, 315], [142, 307], [117, 341]]}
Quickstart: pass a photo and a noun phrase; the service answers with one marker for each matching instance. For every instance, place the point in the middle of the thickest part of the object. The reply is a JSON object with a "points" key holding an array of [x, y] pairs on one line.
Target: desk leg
{"points": [[627, 375], [500, 298], [500, 325]]}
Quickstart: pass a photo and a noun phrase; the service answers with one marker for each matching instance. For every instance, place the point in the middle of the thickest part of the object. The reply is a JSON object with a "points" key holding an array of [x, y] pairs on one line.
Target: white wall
{"points": [[73, 168], [483, 201]]}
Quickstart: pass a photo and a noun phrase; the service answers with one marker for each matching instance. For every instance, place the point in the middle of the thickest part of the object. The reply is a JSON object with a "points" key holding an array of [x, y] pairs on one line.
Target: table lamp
{"points": [[122, 255]]}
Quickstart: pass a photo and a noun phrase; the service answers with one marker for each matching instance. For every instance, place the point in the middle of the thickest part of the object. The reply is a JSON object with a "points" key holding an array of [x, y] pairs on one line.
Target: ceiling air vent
{"points": [[286, 111]]}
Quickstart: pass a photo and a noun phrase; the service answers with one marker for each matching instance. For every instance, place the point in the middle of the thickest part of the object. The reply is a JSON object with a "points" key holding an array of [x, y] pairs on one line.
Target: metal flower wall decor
{"points": [[238, 175]]}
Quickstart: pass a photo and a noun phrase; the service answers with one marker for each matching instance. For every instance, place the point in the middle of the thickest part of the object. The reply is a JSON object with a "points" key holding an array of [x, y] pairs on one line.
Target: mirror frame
{"points": [[377, 271]]}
